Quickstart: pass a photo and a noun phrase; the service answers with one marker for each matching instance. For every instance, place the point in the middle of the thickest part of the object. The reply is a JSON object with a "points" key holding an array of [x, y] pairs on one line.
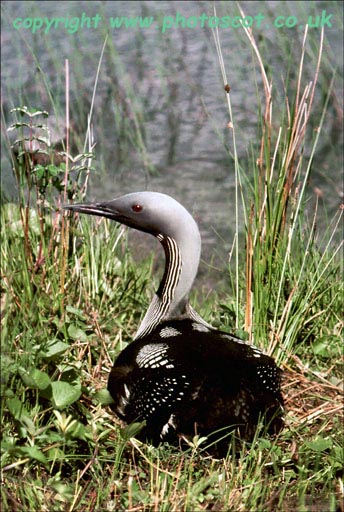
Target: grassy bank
{"points": [[63, 450], [72, 299]]}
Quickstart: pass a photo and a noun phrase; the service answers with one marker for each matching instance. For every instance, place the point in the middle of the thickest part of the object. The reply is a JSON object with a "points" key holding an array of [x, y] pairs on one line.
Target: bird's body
{"points": [[181, 376], [186, 379]]}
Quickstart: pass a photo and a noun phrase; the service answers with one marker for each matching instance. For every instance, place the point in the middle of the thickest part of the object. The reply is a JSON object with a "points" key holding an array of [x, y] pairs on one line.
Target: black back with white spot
{"points": [[183, 379]]}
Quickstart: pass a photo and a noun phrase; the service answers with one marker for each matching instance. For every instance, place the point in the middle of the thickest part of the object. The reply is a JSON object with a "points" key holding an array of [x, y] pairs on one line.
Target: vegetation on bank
{"points": [[72, 298]]}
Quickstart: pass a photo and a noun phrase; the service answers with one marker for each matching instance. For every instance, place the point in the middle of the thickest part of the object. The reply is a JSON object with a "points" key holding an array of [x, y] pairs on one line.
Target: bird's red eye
{"points": [[137, 208]]}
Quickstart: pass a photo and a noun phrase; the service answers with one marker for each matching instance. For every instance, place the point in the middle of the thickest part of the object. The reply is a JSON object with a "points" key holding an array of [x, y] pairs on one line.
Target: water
{"points": [[167, 87]]}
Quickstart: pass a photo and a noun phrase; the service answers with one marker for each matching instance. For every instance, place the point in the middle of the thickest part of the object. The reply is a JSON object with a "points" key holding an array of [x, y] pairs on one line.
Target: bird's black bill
{"points": [[99, 209]]}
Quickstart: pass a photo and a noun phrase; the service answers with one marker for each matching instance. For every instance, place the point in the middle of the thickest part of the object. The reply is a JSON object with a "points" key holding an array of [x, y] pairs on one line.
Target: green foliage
{"points": [[56, 427], [291, 285]]}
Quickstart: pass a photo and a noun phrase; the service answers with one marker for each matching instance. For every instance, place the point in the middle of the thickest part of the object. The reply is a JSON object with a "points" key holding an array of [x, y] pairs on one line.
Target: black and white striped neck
{"points": [[171, 299]]}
